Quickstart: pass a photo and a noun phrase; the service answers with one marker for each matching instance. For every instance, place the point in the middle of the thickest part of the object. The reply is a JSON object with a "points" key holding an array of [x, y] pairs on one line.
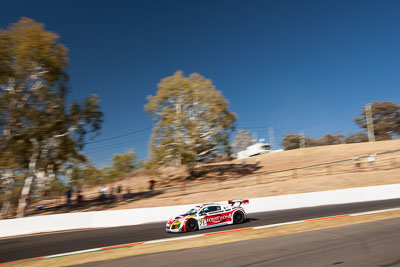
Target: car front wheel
{"points": [[191, 225]]}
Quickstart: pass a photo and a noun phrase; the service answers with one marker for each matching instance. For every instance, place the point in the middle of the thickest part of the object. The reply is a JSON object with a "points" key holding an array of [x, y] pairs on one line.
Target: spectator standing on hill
{"points": [[119, 193], [79, 197], [69, 195], [28, 200], [152, 182], [371, 159], [112, 196], [243, 167], [128, 193], [103, 190], [357, 162]]}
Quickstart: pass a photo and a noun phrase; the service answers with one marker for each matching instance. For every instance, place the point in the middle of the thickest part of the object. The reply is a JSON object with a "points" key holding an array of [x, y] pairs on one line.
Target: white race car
{"points": [[208, 215]]}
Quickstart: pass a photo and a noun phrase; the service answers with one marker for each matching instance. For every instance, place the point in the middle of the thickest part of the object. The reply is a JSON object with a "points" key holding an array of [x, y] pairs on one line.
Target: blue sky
{"points": [[296, 65]]}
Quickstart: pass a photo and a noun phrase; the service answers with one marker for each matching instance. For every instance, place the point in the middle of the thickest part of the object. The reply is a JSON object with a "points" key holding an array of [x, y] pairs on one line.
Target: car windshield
{"points": [[190, 212]]}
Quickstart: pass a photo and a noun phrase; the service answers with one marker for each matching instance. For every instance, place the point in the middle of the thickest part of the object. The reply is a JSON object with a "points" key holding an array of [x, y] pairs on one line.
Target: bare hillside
{"points": [[173, 176], [316, 155], [265, 175]]}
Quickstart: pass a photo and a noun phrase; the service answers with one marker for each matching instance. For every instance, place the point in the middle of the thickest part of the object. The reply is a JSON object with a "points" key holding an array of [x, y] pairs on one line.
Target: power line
{"points": [[110, 147], [315, 125], [101, 159], [254, 127], [113, 145], [326, 122], [119, 136]]}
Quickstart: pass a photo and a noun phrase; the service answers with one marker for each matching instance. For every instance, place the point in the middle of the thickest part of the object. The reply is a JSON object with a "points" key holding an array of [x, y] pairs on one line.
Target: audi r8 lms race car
{"points": [[208, 215]]}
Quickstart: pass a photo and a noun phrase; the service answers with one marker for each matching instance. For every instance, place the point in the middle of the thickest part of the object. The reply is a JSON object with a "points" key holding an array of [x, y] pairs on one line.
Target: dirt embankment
{"points": [[258, 177], [272, 162]]}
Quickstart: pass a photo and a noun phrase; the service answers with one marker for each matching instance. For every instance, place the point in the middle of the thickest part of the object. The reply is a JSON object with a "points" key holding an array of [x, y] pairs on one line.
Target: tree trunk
{"points": [[41, 180], [6, 202], [28, 181], [7, 194], [51, 177]]}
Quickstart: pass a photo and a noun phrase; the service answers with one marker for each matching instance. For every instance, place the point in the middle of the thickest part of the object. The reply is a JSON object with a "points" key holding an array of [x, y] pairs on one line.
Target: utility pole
{"points": [[302, 140], [271, 137], [370, 123]]}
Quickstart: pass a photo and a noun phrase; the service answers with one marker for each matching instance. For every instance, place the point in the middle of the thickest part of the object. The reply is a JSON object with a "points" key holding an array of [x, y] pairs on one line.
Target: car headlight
{"points": [[176, 225]]}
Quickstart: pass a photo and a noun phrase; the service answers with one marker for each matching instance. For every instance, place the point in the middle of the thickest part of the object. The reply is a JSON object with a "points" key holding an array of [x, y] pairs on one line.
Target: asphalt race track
{"points": [[18, 248], [367, 244]]}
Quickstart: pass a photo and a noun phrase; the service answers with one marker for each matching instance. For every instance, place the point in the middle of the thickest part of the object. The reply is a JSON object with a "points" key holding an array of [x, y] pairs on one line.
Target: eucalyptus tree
{"points": [[242, 140], [385, 119], [125, 163], [38, 127], [193, 121]]}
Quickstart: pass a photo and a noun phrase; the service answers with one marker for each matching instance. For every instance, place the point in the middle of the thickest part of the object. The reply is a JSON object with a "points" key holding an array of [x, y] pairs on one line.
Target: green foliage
{"points": [[90, 175], [33, 103], [291, 141], [57, 188], [124, 163], [76, 176], [151, 168], [386, 120], [110, 174], [357, 138], [328, 139], [26, 47], [93, 176], [193, 121]]}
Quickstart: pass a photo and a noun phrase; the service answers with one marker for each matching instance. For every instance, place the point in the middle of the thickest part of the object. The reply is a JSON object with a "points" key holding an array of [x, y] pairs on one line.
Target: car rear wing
{"points": [[238, 202]]}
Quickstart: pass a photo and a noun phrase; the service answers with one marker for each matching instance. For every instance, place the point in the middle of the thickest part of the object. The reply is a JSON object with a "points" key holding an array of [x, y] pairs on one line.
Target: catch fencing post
{"points": [[184, 189], [370, 123], [220, 185], [258, 178], [328, 169], [394, 163]]}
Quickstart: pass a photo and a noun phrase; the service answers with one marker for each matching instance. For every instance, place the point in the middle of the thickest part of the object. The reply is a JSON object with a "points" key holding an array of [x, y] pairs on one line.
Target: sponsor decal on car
{"points": [[218, 218]]}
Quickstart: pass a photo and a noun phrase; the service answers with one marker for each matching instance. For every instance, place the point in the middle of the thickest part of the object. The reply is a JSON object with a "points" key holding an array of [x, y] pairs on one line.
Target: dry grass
{"points": [[222, 185], [210, 240]]}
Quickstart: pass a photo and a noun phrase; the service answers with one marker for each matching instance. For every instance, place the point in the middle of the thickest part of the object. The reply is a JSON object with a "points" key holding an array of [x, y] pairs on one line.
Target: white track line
{"points": [[373, 212], [173, 239], [275, 225], [72, 253]]}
